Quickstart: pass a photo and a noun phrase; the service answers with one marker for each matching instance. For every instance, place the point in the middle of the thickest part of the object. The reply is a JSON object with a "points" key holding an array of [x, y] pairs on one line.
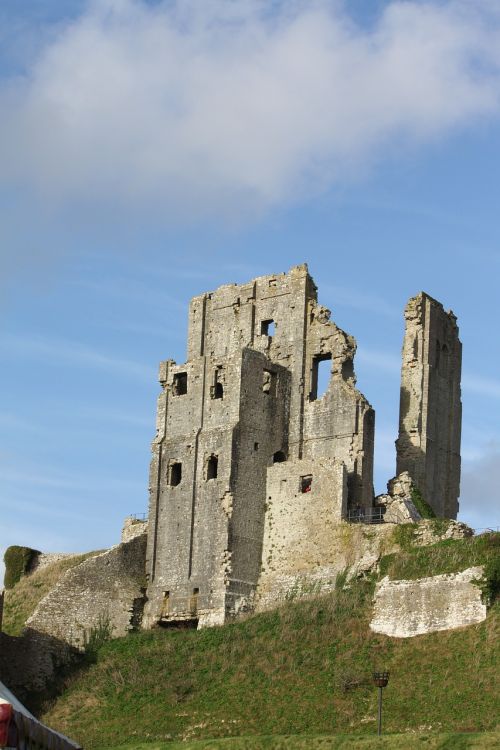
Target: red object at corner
{"points": [[5, 718]]}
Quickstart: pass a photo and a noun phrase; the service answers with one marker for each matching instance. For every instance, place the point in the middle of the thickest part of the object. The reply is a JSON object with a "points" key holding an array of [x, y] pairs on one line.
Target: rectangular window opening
{"points": [[180, 384], [268, 328], [320, 375], [175, 474], [217, 389], [306, 483]]}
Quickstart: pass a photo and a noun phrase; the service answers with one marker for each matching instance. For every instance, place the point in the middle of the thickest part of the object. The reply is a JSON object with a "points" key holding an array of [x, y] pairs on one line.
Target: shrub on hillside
{"points": [[17, 563], [420, 504]]}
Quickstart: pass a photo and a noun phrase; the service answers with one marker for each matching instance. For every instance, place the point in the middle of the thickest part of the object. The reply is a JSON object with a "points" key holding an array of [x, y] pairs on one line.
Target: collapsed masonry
{"points": [[248, 456]]}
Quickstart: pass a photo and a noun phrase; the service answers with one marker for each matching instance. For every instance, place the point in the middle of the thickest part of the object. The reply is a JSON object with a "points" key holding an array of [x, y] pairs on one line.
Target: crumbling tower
{"points": [[430, 414], [242, 418]]}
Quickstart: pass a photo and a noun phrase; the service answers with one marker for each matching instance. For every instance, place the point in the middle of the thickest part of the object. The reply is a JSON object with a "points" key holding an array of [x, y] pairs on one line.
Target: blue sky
{"points": [[153, 151]]}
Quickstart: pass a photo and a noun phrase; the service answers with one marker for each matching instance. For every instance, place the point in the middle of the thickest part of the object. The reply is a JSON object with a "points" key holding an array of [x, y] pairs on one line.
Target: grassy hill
{"points": [[304, 669], [20, 601]]}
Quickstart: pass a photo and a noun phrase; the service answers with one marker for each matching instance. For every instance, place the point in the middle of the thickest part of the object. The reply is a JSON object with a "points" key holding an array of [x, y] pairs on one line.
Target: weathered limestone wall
{"points": [[106, 589], [133, 527], [404, 609], [246, 398], [428, 446], [304, 553]]}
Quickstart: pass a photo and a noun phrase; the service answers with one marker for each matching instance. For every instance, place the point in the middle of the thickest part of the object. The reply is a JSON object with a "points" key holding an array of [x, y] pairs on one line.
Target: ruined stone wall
{"points": [[105, 590], [244, 396], [29, 663], [404, 609], [341, 423], [133, 527], [428, 446], [295, 566]]}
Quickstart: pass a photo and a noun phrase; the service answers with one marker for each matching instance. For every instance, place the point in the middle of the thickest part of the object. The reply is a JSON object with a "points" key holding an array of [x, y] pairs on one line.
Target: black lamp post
{"points": [[380, 680]]}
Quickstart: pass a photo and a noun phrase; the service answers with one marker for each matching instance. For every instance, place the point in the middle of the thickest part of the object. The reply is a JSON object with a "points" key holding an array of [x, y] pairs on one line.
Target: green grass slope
{"points": [[22, 599], [304, 669], [483, 741]]}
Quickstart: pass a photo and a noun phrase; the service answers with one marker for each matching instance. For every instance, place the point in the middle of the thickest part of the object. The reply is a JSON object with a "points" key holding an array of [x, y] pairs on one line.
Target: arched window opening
{"points": [[279, 457], [212, 467]]}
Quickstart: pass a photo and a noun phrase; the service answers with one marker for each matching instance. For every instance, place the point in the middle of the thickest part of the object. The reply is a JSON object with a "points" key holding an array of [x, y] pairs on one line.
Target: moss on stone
{"points": [[420, 504], [17, 563]]}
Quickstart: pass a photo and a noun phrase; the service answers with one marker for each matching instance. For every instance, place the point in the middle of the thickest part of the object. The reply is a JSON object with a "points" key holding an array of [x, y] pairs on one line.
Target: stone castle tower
{"points": [[242, 431], [430, 411], [241, 411]]}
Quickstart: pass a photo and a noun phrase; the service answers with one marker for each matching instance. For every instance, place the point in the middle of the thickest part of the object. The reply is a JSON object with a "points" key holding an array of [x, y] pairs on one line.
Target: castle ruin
{"points": [[249, 456], [430, 409]]}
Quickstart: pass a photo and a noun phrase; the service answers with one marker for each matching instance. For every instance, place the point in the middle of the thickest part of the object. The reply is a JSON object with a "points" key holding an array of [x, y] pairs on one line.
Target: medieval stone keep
{"points": [[251, 463]]}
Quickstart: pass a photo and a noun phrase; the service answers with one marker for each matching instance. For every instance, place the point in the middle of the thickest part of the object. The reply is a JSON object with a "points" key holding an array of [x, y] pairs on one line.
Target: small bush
{"points": [[17, 563], [420, 504], [404, 535], [490, 584], [96, 637]]}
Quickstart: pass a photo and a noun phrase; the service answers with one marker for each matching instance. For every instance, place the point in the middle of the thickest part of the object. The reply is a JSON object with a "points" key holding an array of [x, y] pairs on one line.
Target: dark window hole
{"points": [[180, 384], [212, 467], [175, 474]]}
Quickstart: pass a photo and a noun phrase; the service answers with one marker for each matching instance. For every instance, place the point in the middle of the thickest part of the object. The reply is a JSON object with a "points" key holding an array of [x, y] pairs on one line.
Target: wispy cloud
{"points": [[189, 109], [481, 386], [343, 296], [57, 351]]}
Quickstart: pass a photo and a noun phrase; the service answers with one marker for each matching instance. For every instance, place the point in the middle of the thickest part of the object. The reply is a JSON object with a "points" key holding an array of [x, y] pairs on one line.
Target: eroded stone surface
{"points": [[404, 609], [428, 446]]}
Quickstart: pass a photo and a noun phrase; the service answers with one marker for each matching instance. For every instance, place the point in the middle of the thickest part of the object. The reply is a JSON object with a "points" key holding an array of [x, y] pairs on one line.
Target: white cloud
{"points": [[188, 108]]}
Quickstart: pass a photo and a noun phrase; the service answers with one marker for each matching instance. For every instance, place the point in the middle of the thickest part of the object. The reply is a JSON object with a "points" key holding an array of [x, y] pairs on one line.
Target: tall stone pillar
{"points": [[430, 413]]}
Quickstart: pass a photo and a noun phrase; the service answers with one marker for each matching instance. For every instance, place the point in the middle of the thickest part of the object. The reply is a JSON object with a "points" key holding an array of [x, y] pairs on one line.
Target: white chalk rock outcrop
{"points": [[403, 609]]}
